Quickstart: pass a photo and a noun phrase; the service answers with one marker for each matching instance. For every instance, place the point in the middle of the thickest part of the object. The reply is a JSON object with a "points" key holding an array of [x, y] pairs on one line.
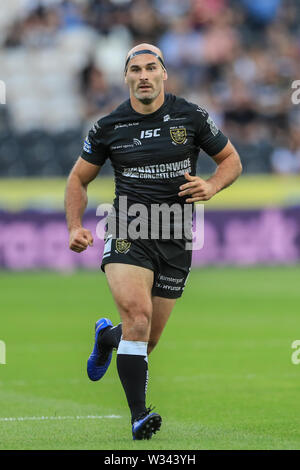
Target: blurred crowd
{"points": [[62, 62]]}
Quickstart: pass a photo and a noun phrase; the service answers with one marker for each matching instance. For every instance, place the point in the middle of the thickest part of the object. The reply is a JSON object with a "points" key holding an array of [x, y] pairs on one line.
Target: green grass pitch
{"points": [[221, 377]]}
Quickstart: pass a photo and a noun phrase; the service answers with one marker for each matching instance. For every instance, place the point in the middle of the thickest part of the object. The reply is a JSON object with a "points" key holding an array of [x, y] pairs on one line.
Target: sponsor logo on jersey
{"points": [[135, 143], [130, 172], [122, 246], [150, 133], [178, 135], [167, 117], [159, 171], [87, 145], [95, 128], [213, 127], [202, 111], [126, 124]]}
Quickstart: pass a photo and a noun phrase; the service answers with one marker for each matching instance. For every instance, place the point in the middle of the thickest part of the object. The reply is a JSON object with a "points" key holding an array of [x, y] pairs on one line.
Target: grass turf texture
{"points": [[221, 377]]}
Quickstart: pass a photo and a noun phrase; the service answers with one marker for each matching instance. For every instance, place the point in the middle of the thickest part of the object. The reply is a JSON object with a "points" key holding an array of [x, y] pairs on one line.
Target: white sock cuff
{"points": [[135, 348]]}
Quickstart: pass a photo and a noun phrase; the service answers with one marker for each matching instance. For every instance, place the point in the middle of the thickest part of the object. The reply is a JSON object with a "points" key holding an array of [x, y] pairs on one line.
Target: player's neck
{"points": [[147, 108]]}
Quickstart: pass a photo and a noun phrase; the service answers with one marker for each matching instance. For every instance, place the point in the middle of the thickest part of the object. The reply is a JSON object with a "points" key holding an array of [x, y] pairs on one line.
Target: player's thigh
{"points": [[162, 308], [131, 289]]}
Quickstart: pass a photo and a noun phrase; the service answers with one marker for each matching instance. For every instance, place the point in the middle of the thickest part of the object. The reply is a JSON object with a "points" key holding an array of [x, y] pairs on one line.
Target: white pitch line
{"points": [[52, 418]]}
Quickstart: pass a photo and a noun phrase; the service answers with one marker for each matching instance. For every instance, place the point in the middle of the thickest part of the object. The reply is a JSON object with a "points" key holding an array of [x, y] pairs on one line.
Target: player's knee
{"points": [[134, 308], [137, 315]]}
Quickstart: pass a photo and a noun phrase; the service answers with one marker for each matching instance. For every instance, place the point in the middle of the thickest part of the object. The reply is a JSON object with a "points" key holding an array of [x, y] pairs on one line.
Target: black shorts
{"points": [[168, 259]]}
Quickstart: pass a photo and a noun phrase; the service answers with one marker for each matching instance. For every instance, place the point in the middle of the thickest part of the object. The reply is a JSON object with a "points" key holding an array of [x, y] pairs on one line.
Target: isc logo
{"points": [[150, 133]]}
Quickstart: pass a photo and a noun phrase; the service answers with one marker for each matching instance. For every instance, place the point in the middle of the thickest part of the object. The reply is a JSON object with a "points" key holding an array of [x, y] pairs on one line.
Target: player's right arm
{"points": [[94, 153], [76, 200]]}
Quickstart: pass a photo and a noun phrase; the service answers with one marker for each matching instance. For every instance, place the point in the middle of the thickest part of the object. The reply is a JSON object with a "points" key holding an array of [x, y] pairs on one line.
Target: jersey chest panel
{"points": [[151, 142]]}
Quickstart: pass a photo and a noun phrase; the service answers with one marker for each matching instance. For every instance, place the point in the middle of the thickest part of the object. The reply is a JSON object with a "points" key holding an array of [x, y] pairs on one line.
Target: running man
{"points": [[152, 140]]}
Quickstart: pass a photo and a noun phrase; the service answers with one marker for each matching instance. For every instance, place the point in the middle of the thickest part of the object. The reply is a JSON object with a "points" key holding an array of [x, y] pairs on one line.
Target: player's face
{"points": [[145, 78]]}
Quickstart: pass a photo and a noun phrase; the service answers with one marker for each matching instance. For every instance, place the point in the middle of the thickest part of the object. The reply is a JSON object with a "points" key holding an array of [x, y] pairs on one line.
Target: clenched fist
{"points": [[80, 239]]}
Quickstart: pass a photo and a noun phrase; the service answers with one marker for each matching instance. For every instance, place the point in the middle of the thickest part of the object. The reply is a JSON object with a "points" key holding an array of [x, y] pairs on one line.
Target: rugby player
{"points": [[153, 140]]}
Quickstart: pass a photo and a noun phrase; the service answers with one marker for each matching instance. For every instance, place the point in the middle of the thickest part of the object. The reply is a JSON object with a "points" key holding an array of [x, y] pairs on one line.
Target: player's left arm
{"points": [[229, 168]]}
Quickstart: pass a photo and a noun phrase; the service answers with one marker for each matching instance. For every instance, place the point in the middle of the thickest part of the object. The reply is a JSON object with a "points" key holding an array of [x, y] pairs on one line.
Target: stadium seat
{"points": [[38, 152], [68, 145], [10, 162], [4, 120], [256, 158]]}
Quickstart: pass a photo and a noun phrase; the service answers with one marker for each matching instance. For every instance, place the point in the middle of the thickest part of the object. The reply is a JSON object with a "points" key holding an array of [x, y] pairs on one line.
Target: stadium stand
{"points": [[61, 61]]}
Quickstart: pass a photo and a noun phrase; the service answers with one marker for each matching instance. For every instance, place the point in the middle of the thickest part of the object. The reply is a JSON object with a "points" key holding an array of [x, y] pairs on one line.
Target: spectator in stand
{"points": [[235, 57], [286, 158], [98, 94]]}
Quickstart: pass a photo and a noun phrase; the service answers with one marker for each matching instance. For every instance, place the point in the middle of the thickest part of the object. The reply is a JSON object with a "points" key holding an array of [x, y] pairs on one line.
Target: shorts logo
{"points": [[178, 135], [122, 246]]}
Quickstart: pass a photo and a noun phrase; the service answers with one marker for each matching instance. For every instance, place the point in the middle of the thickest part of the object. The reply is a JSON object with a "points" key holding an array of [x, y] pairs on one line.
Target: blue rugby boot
{"points": [[100, 359], [146, 425]]}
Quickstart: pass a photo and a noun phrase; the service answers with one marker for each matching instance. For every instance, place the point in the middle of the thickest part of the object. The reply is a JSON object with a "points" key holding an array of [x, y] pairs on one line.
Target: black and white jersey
{"points": [[151, 152]]}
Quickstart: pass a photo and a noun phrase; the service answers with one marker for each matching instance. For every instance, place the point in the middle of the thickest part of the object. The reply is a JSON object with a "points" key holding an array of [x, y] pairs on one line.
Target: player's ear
{"points": [[165, 75]]}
